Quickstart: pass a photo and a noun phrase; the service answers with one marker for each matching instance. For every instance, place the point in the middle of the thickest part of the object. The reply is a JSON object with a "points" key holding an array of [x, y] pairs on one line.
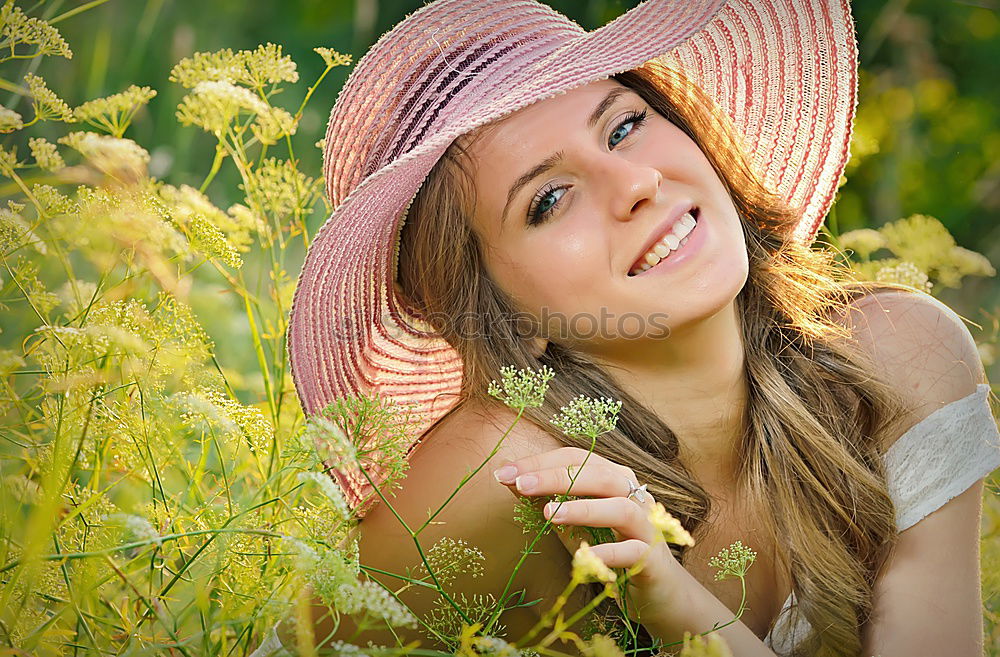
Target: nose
{"points": [[629, 186]]}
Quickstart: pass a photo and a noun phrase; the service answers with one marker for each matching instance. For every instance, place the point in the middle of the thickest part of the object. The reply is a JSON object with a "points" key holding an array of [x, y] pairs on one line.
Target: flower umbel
{"points": [[48, 106], [671, 529], [586, 416], [733, 561], [521, 388], [699, 646], [588, 567], [114, 113]]}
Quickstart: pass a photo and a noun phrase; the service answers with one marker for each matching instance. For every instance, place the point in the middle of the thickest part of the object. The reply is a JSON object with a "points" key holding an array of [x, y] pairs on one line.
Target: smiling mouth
{"points": [[671, 242]]}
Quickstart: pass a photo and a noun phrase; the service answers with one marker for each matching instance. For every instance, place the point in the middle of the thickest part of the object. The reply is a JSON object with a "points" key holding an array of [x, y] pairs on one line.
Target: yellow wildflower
{"points": [[333, 58], [48, 106], [601, 645], [906, 273], [17, 28], [919, 239], [273, 124], [971, 263], [277, 187], [587, 566], [46, 154], [863, 241], [114, 113], [670, 528], [120, 158], [10, 120], [698, 646], [256, 68], [8, 161]]}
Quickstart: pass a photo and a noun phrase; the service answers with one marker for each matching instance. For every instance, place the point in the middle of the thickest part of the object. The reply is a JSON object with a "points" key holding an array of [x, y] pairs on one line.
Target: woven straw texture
{"points": [[784, 71]]}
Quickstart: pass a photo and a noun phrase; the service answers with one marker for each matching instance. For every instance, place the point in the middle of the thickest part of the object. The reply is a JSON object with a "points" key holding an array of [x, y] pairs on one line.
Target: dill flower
{"points": [[971, 263], [342, 649], [203, 224], [671, 529], [9, 362], [587, 566], [207, 67], [10, 120], [138, 526], [277, 187], [53, 201], [273, 124], [114, 113], [47, 105], [333, 58], [920, 239], [46, 154], [266, 65], [586, 416], [8, 161], [601, 645], [521, 388], [732, 561], [14, 229], [371, 598], [17, 28], [863, 241], [448, 557], [331, 438], [120, 158], [321, 144], [699, 646], [326, 570], [330, 490], [213, 105], [906, 273], [493, 647]]}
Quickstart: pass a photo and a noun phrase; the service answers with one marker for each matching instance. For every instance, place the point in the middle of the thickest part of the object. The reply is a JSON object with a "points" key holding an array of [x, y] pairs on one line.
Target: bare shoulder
{"points": [[921, 345], [481, 513]]}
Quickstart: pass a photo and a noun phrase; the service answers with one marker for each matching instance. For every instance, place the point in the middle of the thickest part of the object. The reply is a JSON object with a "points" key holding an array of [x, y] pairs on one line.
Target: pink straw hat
{"points": [[783, 71]]}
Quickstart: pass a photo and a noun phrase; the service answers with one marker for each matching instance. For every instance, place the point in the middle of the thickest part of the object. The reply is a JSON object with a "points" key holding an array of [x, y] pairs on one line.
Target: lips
{"points": [[660, 232]]}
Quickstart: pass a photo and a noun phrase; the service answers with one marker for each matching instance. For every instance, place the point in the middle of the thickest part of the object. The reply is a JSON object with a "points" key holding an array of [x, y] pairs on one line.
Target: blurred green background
{"points": [[927, 137]]}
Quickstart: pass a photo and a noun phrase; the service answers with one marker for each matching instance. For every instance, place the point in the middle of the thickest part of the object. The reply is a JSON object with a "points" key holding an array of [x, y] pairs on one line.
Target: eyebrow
{"points": [[551, 161]]}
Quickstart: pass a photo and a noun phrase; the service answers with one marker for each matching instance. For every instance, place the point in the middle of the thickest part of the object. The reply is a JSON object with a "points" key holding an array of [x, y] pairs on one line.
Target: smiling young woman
{"points": [[783, 406]]}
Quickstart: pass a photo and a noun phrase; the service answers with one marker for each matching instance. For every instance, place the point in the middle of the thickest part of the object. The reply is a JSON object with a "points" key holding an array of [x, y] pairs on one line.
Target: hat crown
{"points": [[438, 64]]}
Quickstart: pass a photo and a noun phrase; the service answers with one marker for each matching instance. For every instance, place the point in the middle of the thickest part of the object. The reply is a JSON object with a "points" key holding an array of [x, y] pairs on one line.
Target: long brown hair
{"points": [[817, 412]]}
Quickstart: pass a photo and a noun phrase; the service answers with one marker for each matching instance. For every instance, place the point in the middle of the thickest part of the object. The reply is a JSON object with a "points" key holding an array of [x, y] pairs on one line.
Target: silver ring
{"points": [[640, 493]]}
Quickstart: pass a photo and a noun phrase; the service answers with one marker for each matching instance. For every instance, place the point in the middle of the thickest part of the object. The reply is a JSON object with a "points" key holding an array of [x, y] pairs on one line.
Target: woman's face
{"points": [[607, 186]]}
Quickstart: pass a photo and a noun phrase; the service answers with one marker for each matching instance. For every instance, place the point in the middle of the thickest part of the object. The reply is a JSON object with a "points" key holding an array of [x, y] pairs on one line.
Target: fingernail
{"points": [[505, 475], [526, 483], [551, 507]]}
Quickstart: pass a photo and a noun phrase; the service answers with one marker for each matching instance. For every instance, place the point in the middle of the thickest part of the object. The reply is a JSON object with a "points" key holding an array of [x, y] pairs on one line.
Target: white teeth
{"points": [[675, 239]]}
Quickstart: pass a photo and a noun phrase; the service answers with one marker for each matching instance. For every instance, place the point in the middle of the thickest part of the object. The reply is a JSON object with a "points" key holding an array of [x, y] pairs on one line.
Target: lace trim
{"points": [[933, 461]]}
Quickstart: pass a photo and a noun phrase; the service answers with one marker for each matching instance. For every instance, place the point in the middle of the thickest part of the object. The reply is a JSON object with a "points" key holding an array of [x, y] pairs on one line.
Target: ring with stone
{"points": [[639, 493]]}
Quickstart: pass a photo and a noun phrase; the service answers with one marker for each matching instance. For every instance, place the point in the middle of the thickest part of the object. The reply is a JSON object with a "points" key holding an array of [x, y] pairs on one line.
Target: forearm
{"points": [[697, 611]]}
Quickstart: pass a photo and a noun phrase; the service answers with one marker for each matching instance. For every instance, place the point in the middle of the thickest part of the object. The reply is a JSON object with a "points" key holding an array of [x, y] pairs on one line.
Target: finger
{"points": [[624, 554], [624, 516], [553, 458], [596, 480]]}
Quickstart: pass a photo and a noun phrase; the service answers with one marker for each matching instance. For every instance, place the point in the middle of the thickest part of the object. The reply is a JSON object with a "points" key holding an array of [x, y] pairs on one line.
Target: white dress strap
{"points": [[941, 456]]}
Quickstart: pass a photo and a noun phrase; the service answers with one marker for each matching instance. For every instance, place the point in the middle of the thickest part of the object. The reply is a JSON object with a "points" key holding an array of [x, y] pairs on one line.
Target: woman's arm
{"points": [[927, 599], [482, 513]]}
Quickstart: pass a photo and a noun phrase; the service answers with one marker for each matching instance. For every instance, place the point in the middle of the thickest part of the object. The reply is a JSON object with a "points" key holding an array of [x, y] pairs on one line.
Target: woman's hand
{"points": [[637, 526]]}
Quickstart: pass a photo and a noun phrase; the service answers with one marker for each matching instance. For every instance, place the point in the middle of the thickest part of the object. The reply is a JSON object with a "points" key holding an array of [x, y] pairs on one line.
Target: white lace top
{"points": [[936, 459]]}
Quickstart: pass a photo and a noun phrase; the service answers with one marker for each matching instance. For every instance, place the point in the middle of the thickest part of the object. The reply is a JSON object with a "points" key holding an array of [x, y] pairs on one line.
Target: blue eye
{"points": [[541, 209]]}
